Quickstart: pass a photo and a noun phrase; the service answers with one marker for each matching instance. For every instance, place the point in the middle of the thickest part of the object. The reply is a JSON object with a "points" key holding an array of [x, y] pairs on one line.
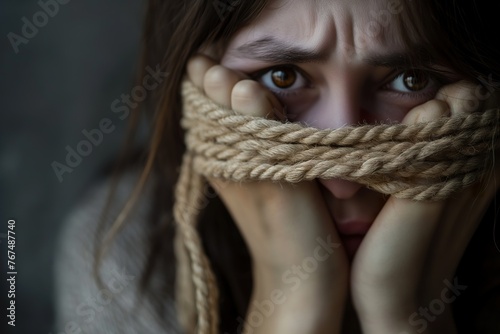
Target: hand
{"points": [[413, 248], [300, 269]]}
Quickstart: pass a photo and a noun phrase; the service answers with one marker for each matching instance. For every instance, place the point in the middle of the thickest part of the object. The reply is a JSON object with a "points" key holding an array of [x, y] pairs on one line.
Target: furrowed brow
{"points": [[419, 56], [271, 50]]}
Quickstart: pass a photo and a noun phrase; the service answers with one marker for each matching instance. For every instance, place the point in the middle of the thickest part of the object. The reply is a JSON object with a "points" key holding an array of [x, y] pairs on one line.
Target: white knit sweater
{"points": [[117, 307]]}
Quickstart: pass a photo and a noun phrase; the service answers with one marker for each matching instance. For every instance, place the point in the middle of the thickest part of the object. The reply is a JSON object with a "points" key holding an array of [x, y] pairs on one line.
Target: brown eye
{"points": [[283, 77], [415, 80]]}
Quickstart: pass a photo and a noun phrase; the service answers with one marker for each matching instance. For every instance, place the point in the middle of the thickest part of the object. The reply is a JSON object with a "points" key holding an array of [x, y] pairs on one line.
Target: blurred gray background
{"points": [[60, 81]]}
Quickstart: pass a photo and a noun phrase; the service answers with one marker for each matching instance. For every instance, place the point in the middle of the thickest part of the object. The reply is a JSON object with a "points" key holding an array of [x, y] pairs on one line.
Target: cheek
{"points": [[299, 106], [319, 115], [381, 111], [324, 113]]}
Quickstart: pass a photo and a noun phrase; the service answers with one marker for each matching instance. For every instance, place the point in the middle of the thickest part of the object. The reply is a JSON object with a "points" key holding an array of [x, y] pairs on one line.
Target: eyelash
{"points": [[283, 92], [437, 76]]}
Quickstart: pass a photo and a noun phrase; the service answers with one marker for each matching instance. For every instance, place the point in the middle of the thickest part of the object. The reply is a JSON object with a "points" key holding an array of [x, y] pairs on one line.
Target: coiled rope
{"points": [[422, 161]]}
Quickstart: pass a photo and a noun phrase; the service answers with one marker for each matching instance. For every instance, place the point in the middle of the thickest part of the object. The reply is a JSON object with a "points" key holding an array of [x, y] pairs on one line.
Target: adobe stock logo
{"points": [[92, 307], [121, 108], [425, 315], [30, 29], [292, 279]]}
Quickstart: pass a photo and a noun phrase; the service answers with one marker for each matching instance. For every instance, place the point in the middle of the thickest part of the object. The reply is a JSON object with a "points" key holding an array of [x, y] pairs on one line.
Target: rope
{"points": [[423, 161]]}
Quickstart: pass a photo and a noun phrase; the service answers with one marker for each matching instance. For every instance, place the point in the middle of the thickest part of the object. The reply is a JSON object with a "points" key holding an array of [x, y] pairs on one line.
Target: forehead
{"points": [[358, 25]]}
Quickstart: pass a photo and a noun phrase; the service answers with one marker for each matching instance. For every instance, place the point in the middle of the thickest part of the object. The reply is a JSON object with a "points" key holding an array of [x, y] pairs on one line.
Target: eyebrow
{"points": [[419, 56], [271, 50]]}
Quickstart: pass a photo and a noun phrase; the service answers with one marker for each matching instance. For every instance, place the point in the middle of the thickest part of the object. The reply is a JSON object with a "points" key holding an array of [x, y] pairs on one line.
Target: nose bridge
{"points": [[343, 103], [339, 105]]}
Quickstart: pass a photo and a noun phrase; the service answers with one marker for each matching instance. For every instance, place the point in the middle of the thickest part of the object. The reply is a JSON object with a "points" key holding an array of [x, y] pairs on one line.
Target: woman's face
{"points": [[331, 64]]}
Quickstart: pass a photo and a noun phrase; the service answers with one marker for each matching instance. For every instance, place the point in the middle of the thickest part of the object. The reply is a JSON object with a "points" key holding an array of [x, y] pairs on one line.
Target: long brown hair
{"points": [[173, 32], [454, 32]]}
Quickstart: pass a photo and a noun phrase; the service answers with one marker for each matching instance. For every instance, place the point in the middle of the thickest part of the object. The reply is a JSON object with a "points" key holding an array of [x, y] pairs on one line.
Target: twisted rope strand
{"points": [[188, 193]]}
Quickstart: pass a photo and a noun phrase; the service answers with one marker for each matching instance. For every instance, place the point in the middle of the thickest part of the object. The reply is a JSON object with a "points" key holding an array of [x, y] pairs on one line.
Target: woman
{"points": [[386, 265]]}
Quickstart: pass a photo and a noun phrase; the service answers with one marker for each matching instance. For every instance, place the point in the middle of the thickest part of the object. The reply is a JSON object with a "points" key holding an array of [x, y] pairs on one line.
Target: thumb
{"points": [[251, 98], [428, 111]]}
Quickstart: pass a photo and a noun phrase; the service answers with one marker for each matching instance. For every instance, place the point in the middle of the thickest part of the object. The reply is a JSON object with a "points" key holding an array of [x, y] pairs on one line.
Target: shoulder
{"points": [[117, 306]]}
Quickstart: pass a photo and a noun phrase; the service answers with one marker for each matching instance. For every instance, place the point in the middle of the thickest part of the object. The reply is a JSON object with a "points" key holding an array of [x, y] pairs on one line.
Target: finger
{"points": [[428, 111], [464, 97], [250, 98], [230, 88], [197, 67], [461, 97], [219, 82]]}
